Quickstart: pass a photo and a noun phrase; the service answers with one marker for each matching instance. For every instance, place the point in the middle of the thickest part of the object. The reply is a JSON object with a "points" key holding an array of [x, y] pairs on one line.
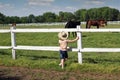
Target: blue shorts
{"points": [[63, 54]]}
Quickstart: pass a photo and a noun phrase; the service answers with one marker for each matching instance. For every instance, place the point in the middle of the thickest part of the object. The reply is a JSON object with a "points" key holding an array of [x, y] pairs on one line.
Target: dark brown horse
{"points": [[72, 24], [98, 23]]}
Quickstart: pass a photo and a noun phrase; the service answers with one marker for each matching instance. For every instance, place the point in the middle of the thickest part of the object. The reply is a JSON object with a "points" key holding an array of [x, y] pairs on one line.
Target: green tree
{"points": [[7, 20], [61, 16], [118, 17], [49, 17], [94, 14], [81, 14], [65, 16], [24, 19], [2, 18], [15, 19], [105, 13], [114, 14], [40, 19], [68, 16], [31, 18]]}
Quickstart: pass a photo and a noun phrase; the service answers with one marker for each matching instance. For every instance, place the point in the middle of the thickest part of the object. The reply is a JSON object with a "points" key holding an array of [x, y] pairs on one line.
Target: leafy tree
{"points": [[68, 16], [106, 13], [81, 14], [93, 14], [7, 20], [24, 20], [40, 19], [114, 14], [14, 19], [65, 16], [49, 17], [2, 18], [87, 17], [31, 18], [61, 16], [118, 17]]}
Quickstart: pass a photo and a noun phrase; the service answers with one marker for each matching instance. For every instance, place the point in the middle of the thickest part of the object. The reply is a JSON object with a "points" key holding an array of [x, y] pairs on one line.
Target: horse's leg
{"points": [[73, 34], [97, 26], [86, 24], [89, 26], [69, 33]]}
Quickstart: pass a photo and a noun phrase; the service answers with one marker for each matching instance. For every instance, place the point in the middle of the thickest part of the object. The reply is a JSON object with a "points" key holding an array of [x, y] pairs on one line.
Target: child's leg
{"points": [[62, 63], [65, 59]]}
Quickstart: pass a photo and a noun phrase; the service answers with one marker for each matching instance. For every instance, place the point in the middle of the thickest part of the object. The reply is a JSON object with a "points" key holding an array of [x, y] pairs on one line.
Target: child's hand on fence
{"points": [[77, 37]]}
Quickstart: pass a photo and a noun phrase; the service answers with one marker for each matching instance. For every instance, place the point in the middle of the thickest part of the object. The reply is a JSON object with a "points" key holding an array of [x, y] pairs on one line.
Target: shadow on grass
{"points": [[4, 53], [36, 57], [95, 61], [90, 60], [42, 57], [4, 75], [10, 78]]}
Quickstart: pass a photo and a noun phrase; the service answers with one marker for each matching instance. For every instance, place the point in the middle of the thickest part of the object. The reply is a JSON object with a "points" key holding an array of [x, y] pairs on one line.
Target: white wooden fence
{"points": [[79, 48], [59, 23]]}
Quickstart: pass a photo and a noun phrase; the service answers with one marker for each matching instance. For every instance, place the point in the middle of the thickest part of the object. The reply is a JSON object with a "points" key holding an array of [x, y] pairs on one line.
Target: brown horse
{"points": [[97, 23]]}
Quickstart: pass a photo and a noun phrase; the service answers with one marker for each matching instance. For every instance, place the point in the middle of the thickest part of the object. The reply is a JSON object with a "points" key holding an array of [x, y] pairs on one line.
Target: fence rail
{"points": [[54, 23], [79, 48], [59, 23], [5, 47], [4, 31]]}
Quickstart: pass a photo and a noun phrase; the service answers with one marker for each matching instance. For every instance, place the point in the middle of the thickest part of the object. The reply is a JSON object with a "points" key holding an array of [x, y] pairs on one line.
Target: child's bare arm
{"points": [[73, 40]]}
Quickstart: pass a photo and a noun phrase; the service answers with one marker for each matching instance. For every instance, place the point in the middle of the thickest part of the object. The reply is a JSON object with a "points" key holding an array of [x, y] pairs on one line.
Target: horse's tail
{"points": [[106, 22], [86, 24], [66, 26]]}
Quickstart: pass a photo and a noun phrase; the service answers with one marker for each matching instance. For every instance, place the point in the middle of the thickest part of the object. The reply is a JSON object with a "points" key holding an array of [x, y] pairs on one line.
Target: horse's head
{"points": [[103, 23], [106, 23], [72, 24], [14, 24]]}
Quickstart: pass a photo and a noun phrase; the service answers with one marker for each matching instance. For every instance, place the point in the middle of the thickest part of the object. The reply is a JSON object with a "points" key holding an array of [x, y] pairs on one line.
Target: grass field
{"points": [[106, 63]]}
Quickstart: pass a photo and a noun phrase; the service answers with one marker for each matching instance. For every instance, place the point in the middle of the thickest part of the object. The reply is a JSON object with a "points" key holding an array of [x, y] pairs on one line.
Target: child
{"points": [[63, 42]]}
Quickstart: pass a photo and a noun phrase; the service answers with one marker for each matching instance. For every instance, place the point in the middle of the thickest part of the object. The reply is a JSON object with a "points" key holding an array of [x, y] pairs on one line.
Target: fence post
{"points": [[79, 45], [13, 41]]}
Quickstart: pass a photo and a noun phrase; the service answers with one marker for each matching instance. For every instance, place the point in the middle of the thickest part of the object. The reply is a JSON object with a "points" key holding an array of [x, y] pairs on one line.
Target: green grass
{"points": [[49, 60]]}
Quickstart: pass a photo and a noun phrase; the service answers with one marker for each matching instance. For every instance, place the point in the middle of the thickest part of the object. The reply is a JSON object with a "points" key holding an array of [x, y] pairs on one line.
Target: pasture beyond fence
{"points": [[79, 48]]}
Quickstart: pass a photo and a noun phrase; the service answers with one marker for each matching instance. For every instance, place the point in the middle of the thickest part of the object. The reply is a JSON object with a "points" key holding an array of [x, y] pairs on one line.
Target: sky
{"points": [[38, 7]]}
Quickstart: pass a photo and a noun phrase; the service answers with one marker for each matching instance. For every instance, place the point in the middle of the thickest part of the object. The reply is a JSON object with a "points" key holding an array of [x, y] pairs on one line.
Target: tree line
{"points": [[107, 13]]}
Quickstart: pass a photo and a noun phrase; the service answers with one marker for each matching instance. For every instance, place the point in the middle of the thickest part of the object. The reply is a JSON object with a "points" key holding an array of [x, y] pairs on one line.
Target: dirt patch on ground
{"points": [[18, 73]]}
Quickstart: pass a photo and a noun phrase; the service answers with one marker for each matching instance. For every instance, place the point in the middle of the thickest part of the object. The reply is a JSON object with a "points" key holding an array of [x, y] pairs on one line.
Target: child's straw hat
{"points": [[63, 35]]}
